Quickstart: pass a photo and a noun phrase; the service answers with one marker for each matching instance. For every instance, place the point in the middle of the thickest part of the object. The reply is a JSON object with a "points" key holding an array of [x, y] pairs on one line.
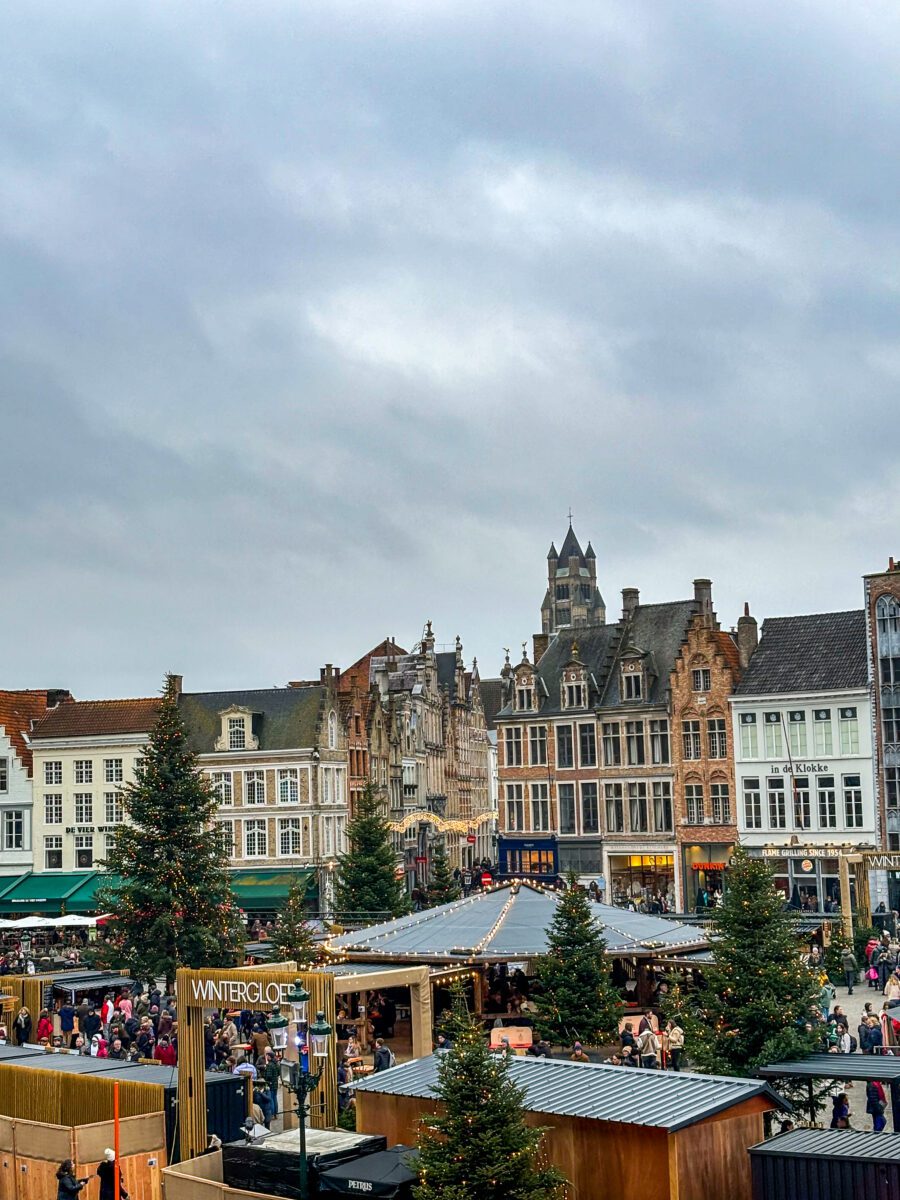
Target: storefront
{"points": [[807, 876], [704, 868], [582, 855], [642, 877], [528, 858]]}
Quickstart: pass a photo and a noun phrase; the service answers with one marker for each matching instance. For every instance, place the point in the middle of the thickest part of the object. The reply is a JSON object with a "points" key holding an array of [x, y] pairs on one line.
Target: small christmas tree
{"points": [[367, 885], [442, 887], [172, 904], [575, 997], [757, 996], [480, 1145], [293, 937]]}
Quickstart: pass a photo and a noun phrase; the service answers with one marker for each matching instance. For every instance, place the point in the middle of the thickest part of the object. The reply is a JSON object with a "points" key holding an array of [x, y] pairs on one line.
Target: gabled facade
{"points": [[585, 762], [278, 759], [882, 615], [440, 754], [368, 737], [19, 713], [802, 729], [706, 673]]}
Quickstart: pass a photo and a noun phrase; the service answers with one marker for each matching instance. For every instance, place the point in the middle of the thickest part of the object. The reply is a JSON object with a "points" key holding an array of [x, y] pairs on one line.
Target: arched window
{"points": [[332, 731], [887, 612]]}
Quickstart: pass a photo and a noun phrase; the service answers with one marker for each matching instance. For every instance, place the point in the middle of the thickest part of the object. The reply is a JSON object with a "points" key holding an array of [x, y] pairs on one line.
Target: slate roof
{"points": [[98, 718], [571, 549], [822, 652], [507, 923], [445, 660], [667, 1100], [656, 630], [284, 718], [491, 700], [19, 711]]}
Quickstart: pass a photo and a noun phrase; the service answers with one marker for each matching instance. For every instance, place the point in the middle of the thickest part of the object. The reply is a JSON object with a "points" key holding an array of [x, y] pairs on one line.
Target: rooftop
{"points": [[283, 718], [822, 652], [19, 712], [98, 718], [507, 923], [666, 1100], [832, 1143]]}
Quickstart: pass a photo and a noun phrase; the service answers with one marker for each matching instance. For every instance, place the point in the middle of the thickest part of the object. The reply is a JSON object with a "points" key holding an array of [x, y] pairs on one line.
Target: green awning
{"points": [[48, 892], [84, 898], [267, 889]]}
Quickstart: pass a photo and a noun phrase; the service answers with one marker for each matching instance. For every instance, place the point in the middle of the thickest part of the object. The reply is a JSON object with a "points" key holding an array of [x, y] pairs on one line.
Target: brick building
{"points": [[882, 617], [706, 672], [367, 722]]}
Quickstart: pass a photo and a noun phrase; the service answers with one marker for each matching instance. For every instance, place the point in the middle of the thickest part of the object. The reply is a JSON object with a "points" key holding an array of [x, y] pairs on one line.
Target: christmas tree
{"points": [[480, 1145], [756, 996], [442, 887], [171, 904], [293, 937], [575, 998], [367, 885]]}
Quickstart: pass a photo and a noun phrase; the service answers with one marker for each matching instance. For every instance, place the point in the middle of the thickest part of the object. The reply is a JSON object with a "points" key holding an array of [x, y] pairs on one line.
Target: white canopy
{"points": [[72, 920]]}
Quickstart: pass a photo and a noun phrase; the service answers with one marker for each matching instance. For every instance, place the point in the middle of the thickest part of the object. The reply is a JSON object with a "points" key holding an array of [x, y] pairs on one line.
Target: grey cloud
{"points": [[315, 319]]}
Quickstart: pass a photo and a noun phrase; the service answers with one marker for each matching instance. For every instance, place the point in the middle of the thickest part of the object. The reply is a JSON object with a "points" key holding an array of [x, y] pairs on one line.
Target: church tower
{"points": [[573, 597]]}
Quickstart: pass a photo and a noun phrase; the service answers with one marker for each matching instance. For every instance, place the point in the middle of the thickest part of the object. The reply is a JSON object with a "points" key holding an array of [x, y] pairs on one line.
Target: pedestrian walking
{"points": [[840, 1111], [384, 1056], [22, 1026], [850, 967]]}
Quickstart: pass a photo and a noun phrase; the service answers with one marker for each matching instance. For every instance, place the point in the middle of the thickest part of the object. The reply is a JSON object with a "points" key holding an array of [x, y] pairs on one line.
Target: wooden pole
{"points": [[117, 1170]]}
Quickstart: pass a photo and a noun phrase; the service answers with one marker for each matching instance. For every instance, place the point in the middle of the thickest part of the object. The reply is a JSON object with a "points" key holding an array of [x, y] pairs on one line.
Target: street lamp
{"points": [[299, 1081], [278, 1028]]}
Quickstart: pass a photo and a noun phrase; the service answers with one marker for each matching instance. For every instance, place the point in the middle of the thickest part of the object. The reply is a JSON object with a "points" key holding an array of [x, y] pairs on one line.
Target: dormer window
{"points": [[574, 695], [525, 698], [632, 680], [237, 733]]}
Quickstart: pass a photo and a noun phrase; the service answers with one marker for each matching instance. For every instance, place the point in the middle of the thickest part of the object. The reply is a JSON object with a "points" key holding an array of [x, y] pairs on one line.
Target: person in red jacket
{"points": [[165, 1053], [44, 1026]]}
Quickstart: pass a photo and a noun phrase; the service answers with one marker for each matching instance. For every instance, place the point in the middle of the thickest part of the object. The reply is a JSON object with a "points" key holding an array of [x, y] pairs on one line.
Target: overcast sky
{"points": [[318, 316]]}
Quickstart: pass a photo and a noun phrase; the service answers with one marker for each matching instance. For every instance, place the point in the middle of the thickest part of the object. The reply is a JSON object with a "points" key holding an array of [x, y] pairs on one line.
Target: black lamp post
{"points": [[298, 1081]]}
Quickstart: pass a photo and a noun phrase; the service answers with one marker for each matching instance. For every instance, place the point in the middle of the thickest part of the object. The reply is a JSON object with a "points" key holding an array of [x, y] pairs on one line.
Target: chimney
{"points": [[703, 597], [747, 637], [631, 598], [540, 642], [176, 682]]}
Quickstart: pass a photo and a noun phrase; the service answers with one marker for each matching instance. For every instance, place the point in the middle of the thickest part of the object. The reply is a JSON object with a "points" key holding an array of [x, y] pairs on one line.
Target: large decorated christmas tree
{"points": [[480, 1145], [574, 995], [170, 900], [367, 886], [757, 995]]}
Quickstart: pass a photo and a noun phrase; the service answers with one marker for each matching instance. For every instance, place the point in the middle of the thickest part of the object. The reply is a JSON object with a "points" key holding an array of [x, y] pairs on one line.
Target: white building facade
{"points": [[804, 773]]}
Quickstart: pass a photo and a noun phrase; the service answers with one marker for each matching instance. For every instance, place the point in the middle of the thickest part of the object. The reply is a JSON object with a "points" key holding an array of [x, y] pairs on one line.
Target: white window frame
{"points": [[83, 807], [285, 776], [237, 733], [256, 831], [113, 770], [10, 816], [56, 799], [114, 806], [253, 781], [83, 771], [288, 827], [53, 773], [4, 774], [223, 786], [52, 843]]}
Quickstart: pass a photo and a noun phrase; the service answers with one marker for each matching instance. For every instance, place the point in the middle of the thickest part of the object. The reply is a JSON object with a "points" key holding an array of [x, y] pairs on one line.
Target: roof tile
{"points": [[821, 652], [98, 718]]}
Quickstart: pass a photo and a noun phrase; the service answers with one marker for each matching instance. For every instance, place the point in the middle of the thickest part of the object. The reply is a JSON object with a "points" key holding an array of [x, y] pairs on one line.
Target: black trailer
{"points": [[389, 1175]]}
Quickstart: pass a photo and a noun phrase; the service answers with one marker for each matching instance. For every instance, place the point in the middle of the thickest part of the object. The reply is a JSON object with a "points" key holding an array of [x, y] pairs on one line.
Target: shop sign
{"points": [[882, 862], [800, 852], [239, 993], [471, 839], [807, 768], [807, 865], [80, 829], [420, 858], [708, 866]]}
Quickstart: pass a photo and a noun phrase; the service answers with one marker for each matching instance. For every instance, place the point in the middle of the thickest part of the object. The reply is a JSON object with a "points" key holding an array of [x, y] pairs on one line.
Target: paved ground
{"points": [[853, 1006]]}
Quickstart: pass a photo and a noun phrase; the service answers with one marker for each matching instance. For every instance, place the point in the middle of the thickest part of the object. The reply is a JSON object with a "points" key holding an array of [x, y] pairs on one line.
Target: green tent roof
{"points": [[267, 889]]}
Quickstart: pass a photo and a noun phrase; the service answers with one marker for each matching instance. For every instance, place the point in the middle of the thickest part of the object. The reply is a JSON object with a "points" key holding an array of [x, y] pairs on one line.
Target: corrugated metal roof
{"points": [[832, 1143], [668, 1100], [509, 922], [836, 1066]]}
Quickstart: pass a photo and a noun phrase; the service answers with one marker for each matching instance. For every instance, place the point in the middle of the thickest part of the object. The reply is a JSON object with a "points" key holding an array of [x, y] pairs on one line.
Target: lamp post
{"points": [[278, 1027], [298, 1081]]}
